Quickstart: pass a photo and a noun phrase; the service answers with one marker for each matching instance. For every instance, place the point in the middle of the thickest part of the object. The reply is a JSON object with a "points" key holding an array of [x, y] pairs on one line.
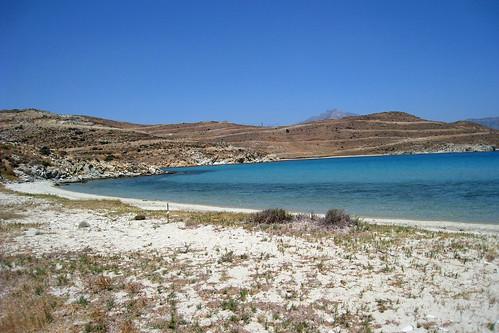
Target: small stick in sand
{"points": [[167, 212]]}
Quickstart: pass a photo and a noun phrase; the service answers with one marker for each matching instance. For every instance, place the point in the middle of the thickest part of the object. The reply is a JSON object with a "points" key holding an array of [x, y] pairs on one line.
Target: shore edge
{"points": [[50, 188]]}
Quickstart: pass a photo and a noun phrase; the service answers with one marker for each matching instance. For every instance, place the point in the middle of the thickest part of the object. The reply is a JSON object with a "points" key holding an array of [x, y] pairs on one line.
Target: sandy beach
{"points": [[49, 187], [199, 270]]}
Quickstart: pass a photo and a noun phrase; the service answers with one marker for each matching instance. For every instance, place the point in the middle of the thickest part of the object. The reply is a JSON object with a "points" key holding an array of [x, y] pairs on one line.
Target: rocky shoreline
{"points": [[450, 148], [68, 170], [64, 169]]}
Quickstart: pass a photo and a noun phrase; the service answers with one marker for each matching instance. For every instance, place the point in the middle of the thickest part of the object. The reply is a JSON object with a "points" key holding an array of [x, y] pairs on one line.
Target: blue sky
{"points": [[271, 62]]}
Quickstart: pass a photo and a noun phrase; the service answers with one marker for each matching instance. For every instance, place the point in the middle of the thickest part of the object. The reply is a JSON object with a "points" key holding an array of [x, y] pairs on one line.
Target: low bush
{"points": [[109, 158], [139, 217], [45, 151], [338, 218], [271, 216], [6, 169]]}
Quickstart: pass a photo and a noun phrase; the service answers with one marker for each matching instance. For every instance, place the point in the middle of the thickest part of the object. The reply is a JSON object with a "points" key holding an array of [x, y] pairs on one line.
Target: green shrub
{"points": [[45, 151], [271, 216], [338, 218]]}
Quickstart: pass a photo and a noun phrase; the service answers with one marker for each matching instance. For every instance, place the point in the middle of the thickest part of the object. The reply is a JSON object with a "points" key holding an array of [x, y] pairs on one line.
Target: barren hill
{"points": [[83, 138], [379, 133], [41, 143]]}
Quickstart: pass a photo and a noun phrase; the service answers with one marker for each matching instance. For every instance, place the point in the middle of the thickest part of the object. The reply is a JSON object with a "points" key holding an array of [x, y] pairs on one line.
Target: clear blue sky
{"points": [[274, 62]]}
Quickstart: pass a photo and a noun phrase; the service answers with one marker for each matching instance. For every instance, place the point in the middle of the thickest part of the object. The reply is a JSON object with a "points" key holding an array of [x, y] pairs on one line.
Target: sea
{"points": [[460, 187]]}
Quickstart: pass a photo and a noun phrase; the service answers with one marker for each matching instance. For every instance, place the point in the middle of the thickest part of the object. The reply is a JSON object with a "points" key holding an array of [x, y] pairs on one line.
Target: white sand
{"points": [[414, 285], [48, 187]]}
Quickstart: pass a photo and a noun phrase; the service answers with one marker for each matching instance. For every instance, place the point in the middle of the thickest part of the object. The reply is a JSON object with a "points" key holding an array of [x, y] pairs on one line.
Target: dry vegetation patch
{"points": [[222, 272], [271, 216], [8, 215]]}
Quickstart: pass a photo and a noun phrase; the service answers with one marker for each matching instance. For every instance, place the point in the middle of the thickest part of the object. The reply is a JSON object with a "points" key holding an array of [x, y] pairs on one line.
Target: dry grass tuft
{"points": [[101, 283], [28, 309], [225, 219], [128, 327], [6, 215], [98, 321], [12, 227], [133, 287]]}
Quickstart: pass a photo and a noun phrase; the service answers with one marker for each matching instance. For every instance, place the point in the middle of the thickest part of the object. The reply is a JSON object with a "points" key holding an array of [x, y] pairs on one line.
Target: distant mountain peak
{"points": [[491, 122], [329, 114]]}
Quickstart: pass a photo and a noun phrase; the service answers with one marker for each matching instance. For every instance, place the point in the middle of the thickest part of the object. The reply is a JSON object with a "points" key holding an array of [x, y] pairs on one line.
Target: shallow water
{"points": [[449, 187]]}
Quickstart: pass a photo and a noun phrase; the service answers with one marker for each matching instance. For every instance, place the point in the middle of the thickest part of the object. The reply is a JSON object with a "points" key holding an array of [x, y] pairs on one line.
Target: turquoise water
{"points": [[452, 187]]}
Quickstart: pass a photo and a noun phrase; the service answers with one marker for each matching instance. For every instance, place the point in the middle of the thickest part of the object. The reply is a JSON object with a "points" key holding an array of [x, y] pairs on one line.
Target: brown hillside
{"points": [[379, 133], [96, 138], [88, 138]]}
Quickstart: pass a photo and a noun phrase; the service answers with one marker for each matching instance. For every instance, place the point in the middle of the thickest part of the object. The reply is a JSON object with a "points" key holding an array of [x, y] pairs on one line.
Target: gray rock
{"points": [[83, 224], [32, 232]]}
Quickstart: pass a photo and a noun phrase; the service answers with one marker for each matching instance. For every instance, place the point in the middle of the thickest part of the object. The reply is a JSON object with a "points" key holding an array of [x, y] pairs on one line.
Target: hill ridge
{"points": [[376, 133]]}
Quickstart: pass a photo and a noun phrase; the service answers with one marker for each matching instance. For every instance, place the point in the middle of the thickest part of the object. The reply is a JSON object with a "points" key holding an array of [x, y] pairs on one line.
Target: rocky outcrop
{"points": [[451, 148], [31, 163], [67, 170], [218, 156]]}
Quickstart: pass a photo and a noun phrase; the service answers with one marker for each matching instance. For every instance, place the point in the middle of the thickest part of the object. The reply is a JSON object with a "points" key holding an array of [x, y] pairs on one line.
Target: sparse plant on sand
{"points": [[271, 216], [228, 256], [339, 218]]}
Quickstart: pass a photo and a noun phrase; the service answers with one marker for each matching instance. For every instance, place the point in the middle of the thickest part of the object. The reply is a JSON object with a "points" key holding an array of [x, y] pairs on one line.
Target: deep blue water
{"points": [[452, 187]]}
